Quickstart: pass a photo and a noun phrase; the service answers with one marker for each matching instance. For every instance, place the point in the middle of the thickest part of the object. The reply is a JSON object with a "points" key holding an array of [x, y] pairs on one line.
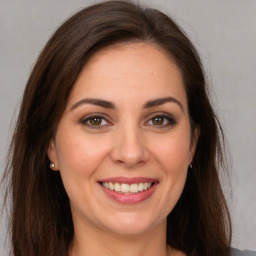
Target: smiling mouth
{"points": [[124, 188]]}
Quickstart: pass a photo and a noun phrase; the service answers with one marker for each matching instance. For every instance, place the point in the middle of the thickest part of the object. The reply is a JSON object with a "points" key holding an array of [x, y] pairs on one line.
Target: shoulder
{"points": [[236, 252]]}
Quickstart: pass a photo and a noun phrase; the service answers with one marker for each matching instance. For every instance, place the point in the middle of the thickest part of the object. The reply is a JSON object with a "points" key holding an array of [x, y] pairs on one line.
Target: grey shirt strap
{"points": [[236, 252]]}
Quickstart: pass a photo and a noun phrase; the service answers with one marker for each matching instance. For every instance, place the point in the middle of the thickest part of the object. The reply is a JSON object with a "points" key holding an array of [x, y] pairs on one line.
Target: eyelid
{"points": [[172, 121], [86, 118]]}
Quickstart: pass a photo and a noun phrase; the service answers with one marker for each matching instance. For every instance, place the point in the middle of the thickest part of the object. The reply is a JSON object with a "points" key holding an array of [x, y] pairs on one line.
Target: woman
{"points": [[117, 148]]}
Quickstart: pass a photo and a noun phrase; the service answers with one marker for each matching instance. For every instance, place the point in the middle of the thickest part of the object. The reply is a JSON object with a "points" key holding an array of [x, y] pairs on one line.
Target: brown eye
{"points": [[159, 120], [95, 121]]}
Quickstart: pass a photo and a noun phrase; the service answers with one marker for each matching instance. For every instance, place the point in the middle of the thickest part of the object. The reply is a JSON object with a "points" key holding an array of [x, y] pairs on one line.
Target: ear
{"points": [[52, 155], [194, 141]]}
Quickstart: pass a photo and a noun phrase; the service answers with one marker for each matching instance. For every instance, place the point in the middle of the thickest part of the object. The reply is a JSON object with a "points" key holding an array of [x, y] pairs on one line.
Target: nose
{"points": [[129, 148]]}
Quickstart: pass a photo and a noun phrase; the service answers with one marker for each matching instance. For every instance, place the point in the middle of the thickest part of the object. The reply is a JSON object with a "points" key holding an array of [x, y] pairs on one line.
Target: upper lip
{"points": [[129, 180]]}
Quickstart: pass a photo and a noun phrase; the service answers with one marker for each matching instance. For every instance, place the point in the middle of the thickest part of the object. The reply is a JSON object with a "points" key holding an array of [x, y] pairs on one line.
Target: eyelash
{"points": [[85, 121], [166, 118]]}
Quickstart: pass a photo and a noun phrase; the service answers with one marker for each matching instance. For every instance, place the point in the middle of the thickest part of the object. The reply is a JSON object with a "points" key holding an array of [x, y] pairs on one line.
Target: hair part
{"points": [[200, 222]]}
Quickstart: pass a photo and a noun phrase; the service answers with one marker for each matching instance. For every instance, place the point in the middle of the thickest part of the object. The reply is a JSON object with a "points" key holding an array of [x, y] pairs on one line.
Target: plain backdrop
{"points": [[223, 31]]}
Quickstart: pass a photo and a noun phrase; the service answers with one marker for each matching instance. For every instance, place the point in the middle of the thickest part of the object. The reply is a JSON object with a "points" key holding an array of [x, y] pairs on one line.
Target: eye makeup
{"points": [[95, 121]]}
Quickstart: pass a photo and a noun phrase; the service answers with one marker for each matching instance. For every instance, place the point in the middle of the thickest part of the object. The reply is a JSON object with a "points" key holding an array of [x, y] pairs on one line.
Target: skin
{"points": [[129, 141]]}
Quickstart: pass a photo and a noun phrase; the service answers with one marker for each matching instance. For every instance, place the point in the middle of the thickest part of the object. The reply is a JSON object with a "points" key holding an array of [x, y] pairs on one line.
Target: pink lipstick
{"points": [[129, 190]]}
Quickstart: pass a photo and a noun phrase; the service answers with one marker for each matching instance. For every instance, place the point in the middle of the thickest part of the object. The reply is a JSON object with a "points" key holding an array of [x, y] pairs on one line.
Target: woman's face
{"points": [[123, 144]]}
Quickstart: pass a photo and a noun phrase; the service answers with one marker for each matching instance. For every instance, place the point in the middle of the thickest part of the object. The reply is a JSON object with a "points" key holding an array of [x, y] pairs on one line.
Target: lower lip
{"points": [[129, 198]]}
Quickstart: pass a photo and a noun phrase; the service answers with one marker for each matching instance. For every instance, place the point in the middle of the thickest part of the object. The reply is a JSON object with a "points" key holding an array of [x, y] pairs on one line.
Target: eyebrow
{"points": [[97, 102], [161, 101], [110, 105]]}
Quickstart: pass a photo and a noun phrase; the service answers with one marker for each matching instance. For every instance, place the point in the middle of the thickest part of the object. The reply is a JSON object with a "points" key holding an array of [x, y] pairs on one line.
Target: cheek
{"points": [[78, 153], [173, 157], [78, 157], [173, 153]]}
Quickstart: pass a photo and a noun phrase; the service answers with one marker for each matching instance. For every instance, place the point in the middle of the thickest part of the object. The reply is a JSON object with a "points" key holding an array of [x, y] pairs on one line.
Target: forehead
{"points": [[131, 71]]}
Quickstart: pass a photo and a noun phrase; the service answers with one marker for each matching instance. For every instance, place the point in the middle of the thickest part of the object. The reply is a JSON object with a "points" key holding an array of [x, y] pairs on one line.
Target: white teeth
{"points": [[111, 186], [141, 187], [117, 187], [126, 188], [134, 188]]}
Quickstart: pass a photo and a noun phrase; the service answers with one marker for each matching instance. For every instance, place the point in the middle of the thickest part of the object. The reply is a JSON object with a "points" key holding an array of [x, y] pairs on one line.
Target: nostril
{"points": [[129, 151]]}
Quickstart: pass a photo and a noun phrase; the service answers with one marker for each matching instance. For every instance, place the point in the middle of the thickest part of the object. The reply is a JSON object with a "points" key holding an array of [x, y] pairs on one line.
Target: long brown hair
{"points": [[41, 221]]}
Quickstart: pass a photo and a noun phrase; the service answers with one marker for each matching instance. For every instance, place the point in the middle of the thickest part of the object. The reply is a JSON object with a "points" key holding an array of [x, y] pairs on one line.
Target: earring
{"points": [[191, 166], [52, 165]]}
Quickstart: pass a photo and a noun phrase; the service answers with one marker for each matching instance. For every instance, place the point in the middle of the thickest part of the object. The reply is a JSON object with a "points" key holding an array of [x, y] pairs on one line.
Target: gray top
{"points": [[236, 252]]}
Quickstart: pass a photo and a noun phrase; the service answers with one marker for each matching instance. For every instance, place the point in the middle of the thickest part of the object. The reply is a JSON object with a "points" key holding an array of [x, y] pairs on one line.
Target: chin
{"points": [[132, 224]]}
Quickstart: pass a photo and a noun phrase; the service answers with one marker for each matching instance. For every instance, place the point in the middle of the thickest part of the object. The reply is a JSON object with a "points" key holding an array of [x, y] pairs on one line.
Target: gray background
{"points": [[224, 32]]}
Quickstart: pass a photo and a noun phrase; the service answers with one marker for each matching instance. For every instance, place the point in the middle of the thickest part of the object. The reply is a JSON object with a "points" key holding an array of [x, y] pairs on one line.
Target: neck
{"points": [[89, 242]]}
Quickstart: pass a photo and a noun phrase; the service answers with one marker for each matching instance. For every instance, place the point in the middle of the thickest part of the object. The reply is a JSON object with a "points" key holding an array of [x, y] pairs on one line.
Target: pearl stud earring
{"points": [[52, 165]]}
